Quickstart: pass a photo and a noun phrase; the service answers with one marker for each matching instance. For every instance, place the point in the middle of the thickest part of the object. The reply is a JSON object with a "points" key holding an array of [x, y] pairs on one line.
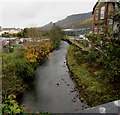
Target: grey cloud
{"points": [[39, 13]]}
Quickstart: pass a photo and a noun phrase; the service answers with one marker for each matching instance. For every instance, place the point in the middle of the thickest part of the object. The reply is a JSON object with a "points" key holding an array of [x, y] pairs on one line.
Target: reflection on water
{"points": [[53, 89]]}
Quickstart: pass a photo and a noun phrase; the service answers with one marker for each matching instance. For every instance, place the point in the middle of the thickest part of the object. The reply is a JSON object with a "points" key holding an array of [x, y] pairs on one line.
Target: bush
{"points": [[108, 55], [17, 72], [24, 70], [93, 84], [11, 107], [11, 84], [84, 43], [91, 56], [35, 52], [55, 34]]}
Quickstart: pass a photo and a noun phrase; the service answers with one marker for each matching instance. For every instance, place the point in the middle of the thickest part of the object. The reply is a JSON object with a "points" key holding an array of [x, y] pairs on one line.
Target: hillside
{"points": [[74, 21], [87, 23]]}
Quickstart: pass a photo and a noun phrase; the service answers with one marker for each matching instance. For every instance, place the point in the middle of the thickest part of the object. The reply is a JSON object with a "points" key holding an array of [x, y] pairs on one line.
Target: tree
{"points": [[116, 21], [56, 34], [33, 33]]}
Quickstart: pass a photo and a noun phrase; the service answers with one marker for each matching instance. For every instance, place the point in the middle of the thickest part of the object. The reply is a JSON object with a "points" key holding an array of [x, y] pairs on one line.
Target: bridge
{"points": [[111, 108]]}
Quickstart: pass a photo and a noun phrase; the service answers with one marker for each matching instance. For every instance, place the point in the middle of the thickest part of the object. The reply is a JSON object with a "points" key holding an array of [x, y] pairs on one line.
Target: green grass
{"points": [[94, 90], [81, 46], [17, 72], [67, 37], [0, 51]]}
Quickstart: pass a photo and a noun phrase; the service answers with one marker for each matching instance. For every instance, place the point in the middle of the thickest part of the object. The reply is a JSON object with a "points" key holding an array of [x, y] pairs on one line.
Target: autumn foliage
{"points": [[37, 51]]}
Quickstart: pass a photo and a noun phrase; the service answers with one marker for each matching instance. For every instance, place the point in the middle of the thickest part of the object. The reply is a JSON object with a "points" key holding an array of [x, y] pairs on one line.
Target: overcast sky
{"points": [[31, 13]]}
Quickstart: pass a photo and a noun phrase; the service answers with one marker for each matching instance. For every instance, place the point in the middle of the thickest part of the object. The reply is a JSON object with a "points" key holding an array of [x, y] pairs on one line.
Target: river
{"points": [[53, 88]]}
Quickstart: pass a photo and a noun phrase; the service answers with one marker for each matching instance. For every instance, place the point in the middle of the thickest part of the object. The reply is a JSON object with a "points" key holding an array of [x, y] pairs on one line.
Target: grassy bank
{"points": [[19, 66], [79, 44], [94, 89], [17, 72]]}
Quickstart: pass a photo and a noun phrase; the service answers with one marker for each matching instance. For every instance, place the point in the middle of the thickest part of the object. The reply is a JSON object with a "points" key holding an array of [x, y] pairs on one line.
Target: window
{"points": [[96, 13], [102, 13]]}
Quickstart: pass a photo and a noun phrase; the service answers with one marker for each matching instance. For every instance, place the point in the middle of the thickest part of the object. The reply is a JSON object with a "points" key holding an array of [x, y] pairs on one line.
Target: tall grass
{"points": [[17, 71], [95, 89]]}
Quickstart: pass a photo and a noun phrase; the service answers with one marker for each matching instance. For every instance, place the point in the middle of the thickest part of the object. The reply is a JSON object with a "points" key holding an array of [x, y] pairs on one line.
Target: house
{"points": [[11, 30], [104, 13]]}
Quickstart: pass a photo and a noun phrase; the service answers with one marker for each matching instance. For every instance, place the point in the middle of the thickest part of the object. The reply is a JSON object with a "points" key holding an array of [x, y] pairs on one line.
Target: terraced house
{"points": [[105, 13]]}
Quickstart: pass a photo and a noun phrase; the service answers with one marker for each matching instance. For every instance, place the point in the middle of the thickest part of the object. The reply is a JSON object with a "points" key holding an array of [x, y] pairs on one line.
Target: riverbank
{"points": [[19, 72], [92, 88], [19, 66]]}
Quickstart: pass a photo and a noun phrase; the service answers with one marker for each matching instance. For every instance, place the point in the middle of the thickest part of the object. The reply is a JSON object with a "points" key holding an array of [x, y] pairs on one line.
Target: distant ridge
{"points": [[71, 21]]}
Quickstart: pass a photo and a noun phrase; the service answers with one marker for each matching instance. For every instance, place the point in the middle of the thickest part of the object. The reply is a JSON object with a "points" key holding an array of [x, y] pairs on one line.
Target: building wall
{"points": [[13, 31], [109, 12], [103, 13]]}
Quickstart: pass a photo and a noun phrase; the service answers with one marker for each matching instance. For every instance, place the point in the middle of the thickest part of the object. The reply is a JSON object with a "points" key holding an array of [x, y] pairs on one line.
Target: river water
{"points": [[53, 89]]}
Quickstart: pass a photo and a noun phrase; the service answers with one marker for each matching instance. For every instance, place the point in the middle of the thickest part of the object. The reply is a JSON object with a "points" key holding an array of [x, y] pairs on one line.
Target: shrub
{"points": [[11, 107], [17, 71], [34, 52], [55, 34], [91, 56], [84, 43]]}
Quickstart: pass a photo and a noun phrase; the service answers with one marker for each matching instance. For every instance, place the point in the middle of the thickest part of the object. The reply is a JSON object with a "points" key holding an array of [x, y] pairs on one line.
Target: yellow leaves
{"points": [[18, 110], [25, 48], [11, 106], [12, 101], [32, 60], [37, 51], [49, 57], [12, 96], [15, 107]]}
